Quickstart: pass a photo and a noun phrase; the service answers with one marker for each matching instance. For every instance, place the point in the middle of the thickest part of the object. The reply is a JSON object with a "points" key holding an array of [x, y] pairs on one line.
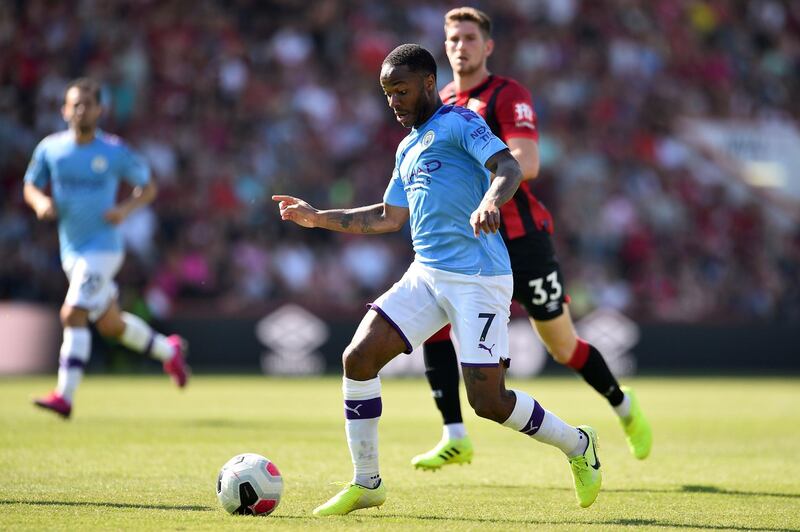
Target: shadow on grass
{"points": [[687, 488], [104, 504], [617, 522]]}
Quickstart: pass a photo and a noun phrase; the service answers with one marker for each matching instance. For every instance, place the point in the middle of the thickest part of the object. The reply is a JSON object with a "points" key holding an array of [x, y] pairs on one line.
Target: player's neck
{"points": [[83, 137], [429, 112], [470, 81]]}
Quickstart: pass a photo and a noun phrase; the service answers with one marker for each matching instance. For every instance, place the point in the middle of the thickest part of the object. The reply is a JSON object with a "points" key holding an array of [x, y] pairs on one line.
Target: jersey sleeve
{"points": [[515, 114], [38, 172], [395, 194], [472, 133], [134, 168]]}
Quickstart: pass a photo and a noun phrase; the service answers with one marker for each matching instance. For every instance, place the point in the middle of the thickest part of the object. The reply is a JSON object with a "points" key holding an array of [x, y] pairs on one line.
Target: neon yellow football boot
{"points": [[446, 452], [637, 429], [352, 497], [586, 470]]}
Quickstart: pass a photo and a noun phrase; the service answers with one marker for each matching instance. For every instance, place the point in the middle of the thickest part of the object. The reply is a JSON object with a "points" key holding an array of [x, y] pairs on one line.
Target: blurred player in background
{"points": [[526, 226], [83, 167], [461, 274]]}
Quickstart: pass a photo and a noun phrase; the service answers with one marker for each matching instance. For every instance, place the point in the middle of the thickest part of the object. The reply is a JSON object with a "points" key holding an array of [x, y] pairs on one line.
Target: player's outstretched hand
{"points": [[485, 218], [296, 210]]}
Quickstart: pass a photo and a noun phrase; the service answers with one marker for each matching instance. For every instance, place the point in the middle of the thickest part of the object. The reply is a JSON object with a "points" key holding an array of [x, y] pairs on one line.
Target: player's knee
{"points": [[110, 328], [561, 353], [488, 407], [73, 317], [357, 364]]}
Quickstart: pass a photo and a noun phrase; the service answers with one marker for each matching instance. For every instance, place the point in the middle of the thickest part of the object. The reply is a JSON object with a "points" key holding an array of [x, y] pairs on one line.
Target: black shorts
{"points": [[538, 283]]}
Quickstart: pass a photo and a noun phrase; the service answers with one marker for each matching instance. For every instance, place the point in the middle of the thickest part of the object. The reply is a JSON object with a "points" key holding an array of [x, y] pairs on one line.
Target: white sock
{"points": [[76, 348], [623, 409], [140, 337], [362, 410], [453, 431], [530, 418]]}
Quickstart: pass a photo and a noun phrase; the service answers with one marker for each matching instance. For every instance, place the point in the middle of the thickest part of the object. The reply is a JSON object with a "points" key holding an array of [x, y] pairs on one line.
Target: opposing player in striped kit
{"points": [[526, 227]]}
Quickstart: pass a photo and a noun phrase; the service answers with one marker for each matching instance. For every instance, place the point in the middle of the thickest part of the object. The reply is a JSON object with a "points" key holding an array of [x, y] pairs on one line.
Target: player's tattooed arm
{"points": [[508, 176], [378, 218]]}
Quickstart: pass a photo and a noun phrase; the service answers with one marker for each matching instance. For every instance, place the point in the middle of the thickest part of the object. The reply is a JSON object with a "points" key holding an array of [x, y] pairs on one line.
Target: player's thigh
{"points": [[558, 335], [478, 308], [91, 282], [374, 344]]}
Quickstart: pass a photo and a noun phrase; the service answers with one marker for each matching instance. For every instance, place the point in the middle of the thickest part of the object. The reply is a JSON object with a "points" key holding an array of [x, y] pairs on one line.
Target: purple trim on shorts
{"points": [[73, 362], [363, 409], [480, 365], [535, 421], [385, 316]]}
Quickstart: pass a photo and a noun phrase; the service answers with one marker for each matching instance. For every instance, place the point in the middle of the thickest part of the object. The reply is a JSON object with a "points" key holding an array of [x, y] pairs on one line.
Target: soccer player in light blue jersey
{"points": [[461, 274], [82, 167]]}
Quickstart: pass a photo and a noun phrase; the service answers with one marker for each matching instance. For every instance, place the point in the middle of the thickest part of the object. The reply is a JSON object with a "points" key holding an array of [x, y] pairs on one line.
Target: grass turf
{"points": [[138, 454]]}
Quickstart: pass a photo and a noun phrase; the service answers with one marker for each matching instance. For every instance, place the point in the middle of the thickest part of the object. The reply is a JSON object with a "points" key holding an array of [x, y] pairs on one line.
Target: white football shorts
{"points": [[91, 281], [478, 306]]}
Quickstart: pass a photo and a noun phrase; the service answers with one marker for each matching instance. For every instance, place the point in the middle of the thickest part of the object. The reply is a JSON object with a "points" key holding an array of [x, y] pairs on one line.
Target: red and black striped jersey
{"points": [[507, 108]]}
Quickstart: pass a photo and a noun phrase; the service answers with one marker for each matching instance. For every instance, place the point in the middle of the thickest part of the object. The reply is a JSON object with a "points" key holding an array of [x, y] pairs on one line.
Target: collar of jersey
{"points": [[428, 121]]}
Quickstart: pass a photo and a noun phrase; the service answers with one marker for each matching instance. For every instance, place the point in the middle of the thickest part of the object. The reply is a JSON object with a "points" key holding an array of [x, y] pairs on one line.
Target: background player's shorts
{"points": [[91, 281], [538, 283], [477, 306]]}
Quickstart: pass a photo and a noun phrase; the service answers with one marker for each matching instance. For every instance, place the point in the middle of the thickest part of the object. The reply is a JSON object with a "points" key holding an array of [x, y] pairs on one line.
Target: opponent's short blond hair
{"points": [[470, 14]]}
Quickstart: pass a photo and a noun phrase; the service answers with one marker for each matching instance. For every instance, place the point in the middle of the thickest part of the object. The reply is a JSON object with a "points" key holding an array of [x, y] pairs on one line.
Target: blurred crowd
{"points": [[231, 101]]}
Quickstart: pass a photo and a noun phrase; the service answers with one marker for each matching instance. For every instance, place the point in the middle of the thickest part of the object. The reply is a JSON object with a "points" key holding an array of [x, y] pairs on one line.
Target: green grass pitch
{"points": [[141, 455]]}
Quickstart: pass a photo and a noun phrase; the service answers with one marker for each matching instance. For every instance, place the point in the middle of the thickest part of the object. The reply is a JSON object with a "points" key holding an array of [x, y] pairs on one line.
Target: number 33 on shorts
{"points": [[540, 295]]}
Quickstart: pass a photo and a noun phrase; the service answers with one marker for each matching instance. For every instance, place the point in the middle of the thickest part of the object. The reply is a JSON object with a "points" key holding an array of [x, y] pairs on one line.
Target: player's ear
{"points": [[489, 47], [430, 82]]}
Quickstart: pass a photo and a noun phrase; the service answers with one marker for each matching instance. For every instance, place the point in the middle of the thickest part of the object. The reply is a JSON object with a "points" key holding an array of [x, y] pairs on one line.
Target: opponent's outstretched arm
{"points": [[508, 176], [378, 218]]}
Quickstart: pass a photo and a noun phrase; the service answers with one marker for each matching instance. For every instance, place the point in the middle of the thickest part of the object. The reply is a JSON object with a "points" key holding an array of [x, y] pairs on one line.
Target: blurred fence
{"points": [[293, 341]]}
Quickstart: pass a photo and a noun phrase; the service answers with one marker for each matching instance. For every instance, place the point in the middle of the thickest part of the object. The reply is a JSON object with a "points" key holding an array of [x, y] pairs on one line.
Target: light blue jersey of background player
{"points": [[84, 179]]}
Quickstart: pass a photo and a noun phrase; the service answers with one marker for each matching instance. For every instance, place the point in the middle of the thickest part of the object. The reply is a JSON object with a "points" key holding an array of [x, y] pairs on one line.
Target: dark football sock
{"points": [[441, 370], [588, 361]]}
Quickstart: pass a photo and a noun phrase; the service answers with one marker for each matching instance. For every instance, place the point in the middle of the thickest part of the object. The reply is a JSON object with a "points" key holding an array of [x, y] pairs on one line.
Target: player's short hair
{"points": [[85, 84], [470, 14], [414, 56]]}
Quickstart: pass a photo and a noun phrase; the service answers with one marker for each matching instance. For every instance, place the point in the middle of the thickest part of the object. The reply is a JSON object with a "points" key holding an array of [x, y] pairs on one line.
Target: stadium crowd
{"points": [[232, 100]]}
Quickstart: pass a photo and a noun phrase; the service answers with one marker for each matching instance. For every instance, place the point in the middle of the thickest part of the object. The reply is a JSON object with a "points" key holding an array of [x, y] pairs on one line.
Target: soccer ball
{"points": [[249, 484]]}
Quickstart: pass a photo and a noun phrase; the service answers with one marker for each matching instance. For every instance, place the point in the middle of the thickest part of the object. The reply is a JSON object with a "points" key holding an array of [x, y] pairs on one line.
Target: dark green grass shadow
{"points": [[687, 488], [633, 523], [105, 504]]}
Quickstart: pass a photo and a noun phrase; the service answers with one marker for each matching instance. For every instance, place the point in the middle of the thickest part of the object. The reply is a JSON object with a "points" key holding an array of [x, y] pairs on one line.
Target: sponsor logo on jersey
{"points": [[523, 115], [421, 175], [99, 164]]}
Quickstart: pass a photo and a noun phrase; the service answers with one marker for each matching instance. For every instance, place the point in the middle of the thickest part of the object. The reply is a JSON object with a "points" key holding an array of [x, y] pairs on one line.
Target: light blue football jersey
{"points": [[440, 177], [84, 180]]}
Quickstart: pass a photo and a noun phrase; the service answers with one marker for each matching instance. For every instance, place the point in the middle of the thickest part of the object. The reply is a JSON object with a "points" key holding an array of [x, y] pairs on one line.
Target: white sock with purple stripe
{"points": [[362, 410], [75, 350], [140, 337], [530, 418]]}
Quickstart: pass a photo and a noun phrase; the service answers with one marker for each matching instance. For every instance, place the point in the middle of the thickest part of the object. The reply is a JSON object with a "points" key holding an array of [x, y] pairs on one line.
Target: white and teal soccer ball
{"points": [[249, 484]]}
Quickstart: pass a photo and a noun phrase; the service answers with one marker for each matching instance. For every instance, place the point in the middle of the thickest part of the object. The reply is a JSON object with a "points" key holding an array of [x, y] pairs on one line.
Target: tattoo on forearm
{"points": [[345, 220], [474, 375]]}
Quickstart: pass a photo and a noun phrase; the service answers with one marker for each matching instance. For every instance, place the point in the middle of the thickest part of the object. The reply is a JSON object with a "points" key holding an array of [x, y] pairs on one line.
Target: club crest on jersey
{"points": [[99, 164], [427, 140]]}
